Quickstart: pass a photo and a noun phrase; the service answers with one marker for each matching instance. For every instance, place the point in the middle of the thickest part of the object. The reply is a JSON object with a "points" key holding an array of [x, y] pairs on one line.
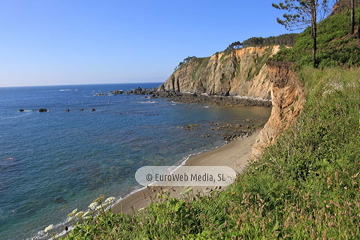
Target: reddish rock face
{"points": [[288, 97], [239, 72], [246, 72]]}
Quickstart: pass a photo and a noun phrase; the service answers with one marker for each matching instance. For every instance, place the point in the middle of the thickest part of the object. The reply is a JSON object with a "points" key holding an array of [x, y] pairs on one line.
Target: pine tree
{"points": [[303, 13]]}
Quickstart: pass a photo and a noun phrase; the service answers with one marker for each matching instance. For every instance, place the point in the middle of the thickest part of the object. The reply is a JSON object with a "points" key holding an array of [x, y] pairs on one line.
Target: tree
{"points": [[352, 6], [303, 13], [186, 60]]}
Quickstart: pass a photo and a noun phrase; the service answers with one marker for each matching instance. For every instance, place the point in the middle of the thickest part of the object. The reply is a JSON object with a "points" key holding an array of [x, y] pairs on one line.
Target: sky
{"points": [[63, 42]]}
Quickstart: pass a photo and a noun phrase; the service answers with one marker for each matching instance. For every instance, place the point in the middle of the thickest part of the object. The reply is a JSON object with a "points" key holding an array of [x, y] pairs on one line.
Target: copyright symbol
{"points": [[149, 177]]}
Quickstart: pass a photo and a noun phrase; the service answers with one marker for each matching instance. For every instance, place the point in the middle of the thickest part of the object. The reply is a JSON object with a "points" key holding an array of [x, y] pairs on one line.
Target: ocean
{"points": [[53, 162]]}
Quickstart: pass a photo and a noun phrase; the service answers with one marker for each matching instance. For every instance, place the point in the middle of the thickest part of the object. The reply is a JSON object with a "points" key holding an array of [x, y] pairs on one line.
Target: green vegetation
{"points": [[223, 78], [284, 39], [306, 186], [259, 63], [186, 60], [335, 46], [201, 64], [302, 14]]}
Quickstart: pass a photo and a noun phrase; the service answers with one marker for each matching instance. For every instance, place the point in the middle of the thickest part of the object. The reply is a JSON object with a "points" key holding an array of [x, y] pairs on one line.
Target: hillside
{"points": [[240, 72], [306, 185]]}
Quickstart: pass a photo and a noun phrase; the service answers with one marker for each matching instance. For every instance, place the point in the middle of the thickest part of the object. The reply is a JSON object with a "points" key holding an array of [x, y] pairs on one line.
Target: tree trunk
{"points": [[313, 31], [358, 33], [352, 28]]}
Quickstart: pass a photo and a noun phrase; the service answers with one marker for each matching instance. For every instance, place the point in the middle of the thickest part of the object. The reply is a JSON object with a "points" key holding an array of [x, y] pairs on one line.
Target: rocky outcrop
{"points": [[288, 97], [214, 100], [241, 72], [246, 72]]}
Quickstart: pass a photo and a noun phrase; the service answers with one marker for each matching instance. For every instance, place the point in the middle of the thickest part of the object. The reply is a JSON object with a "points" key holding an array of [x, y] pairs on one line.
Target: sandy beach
{"points": [[235, 155]]}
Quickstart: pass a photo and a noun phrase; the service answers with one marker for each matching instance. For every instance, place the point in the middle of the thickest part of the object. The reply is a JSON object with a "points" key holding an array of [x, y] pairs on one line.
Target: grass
{"points": [[259, 63], [201, 64], [335, 46], [306, 186]]}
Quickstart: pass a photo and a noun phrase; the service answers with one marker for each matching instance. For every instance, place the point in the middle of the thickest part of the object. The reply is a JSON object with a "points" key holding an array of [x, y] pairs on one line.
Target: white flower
{"points": [[86, 214], [93, 205], [72, 213], [106, 204], [98, 208], [110, 200], [48, 228], [79, 214]]}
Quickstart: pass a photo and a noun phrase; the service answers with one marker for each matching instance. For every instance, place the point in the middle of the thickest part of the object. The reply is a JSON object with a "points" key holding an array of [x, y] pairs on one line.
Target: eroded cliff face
{"points": [[288, 98], [246, 72], [241, 72]]}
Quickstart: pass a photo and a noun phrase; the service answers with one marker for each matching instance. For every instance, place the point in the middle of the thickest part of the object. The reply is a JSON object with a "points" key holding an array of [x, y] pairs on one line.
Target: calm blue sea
{"points": [[54, 162]]}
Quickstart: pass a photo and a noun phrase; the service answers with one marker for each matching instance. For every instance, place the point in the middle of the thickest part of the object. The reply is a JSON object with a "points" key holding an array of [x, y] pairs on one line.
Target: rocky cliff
{"points": [[287, 96], [241, 72], [245, 72]]}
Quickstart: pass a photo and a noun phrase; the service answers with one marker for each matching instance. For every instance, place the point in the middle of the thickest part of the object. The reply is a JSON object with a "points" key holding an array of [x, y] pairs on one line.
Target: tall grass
{"points": [[306, 186], [335, 46]]}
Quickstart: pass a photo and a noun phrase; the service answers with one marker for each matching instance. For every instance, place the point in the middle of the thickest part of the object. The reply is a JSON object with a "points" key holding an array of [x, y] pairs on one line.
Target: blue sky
{"points": [[60, 42]]}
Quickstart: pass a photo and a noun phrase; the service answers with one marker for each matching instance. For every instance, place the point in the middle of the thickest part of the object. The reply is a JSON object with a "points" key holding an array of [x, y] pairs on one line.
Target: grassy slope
{"points": [[306, 186], [335, 46]]}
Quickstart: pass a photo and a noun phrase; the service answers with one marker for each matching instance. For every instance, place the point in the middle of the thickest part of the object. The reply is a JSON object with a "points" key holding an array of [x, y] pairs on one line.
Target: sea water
{"points": [[53, 162]]}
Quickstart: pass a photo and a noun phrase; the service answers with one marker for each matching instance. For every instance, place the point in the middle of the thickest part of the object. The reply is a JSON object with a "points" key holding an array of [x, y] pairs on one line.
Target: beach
{"points": [[235, 155]]}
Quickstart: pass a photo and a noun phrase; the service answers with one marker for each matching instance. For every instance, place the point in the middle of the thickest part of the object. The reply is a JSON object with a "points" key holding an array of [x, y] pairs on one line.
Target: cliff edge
{"points": [[245, 72], [240, 72], [288, 98]]}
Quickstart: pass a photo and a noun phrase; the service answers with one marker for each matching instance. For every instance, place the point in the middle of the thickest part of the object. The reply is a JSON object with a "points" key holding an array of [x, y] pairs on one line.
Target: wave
{"points": [[18, 116], [182, 162], [147, 102], [41, 235]]}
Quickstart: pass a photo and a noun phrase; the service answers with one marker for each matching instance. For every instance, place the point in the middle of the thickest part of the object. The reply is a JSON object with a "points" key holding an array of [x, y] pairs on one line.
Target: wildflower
{"points": [[93, 205], [86, 214], [110, 200], [100, 199], [79, 214], [72, 213], [98, 208], [48, 228]]}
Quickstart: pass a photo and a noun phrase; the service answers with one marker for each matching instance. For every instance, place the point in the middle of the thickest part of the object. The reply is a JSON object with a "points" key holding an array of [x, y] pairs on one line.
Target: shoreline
{"points": [[234, 154]]}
